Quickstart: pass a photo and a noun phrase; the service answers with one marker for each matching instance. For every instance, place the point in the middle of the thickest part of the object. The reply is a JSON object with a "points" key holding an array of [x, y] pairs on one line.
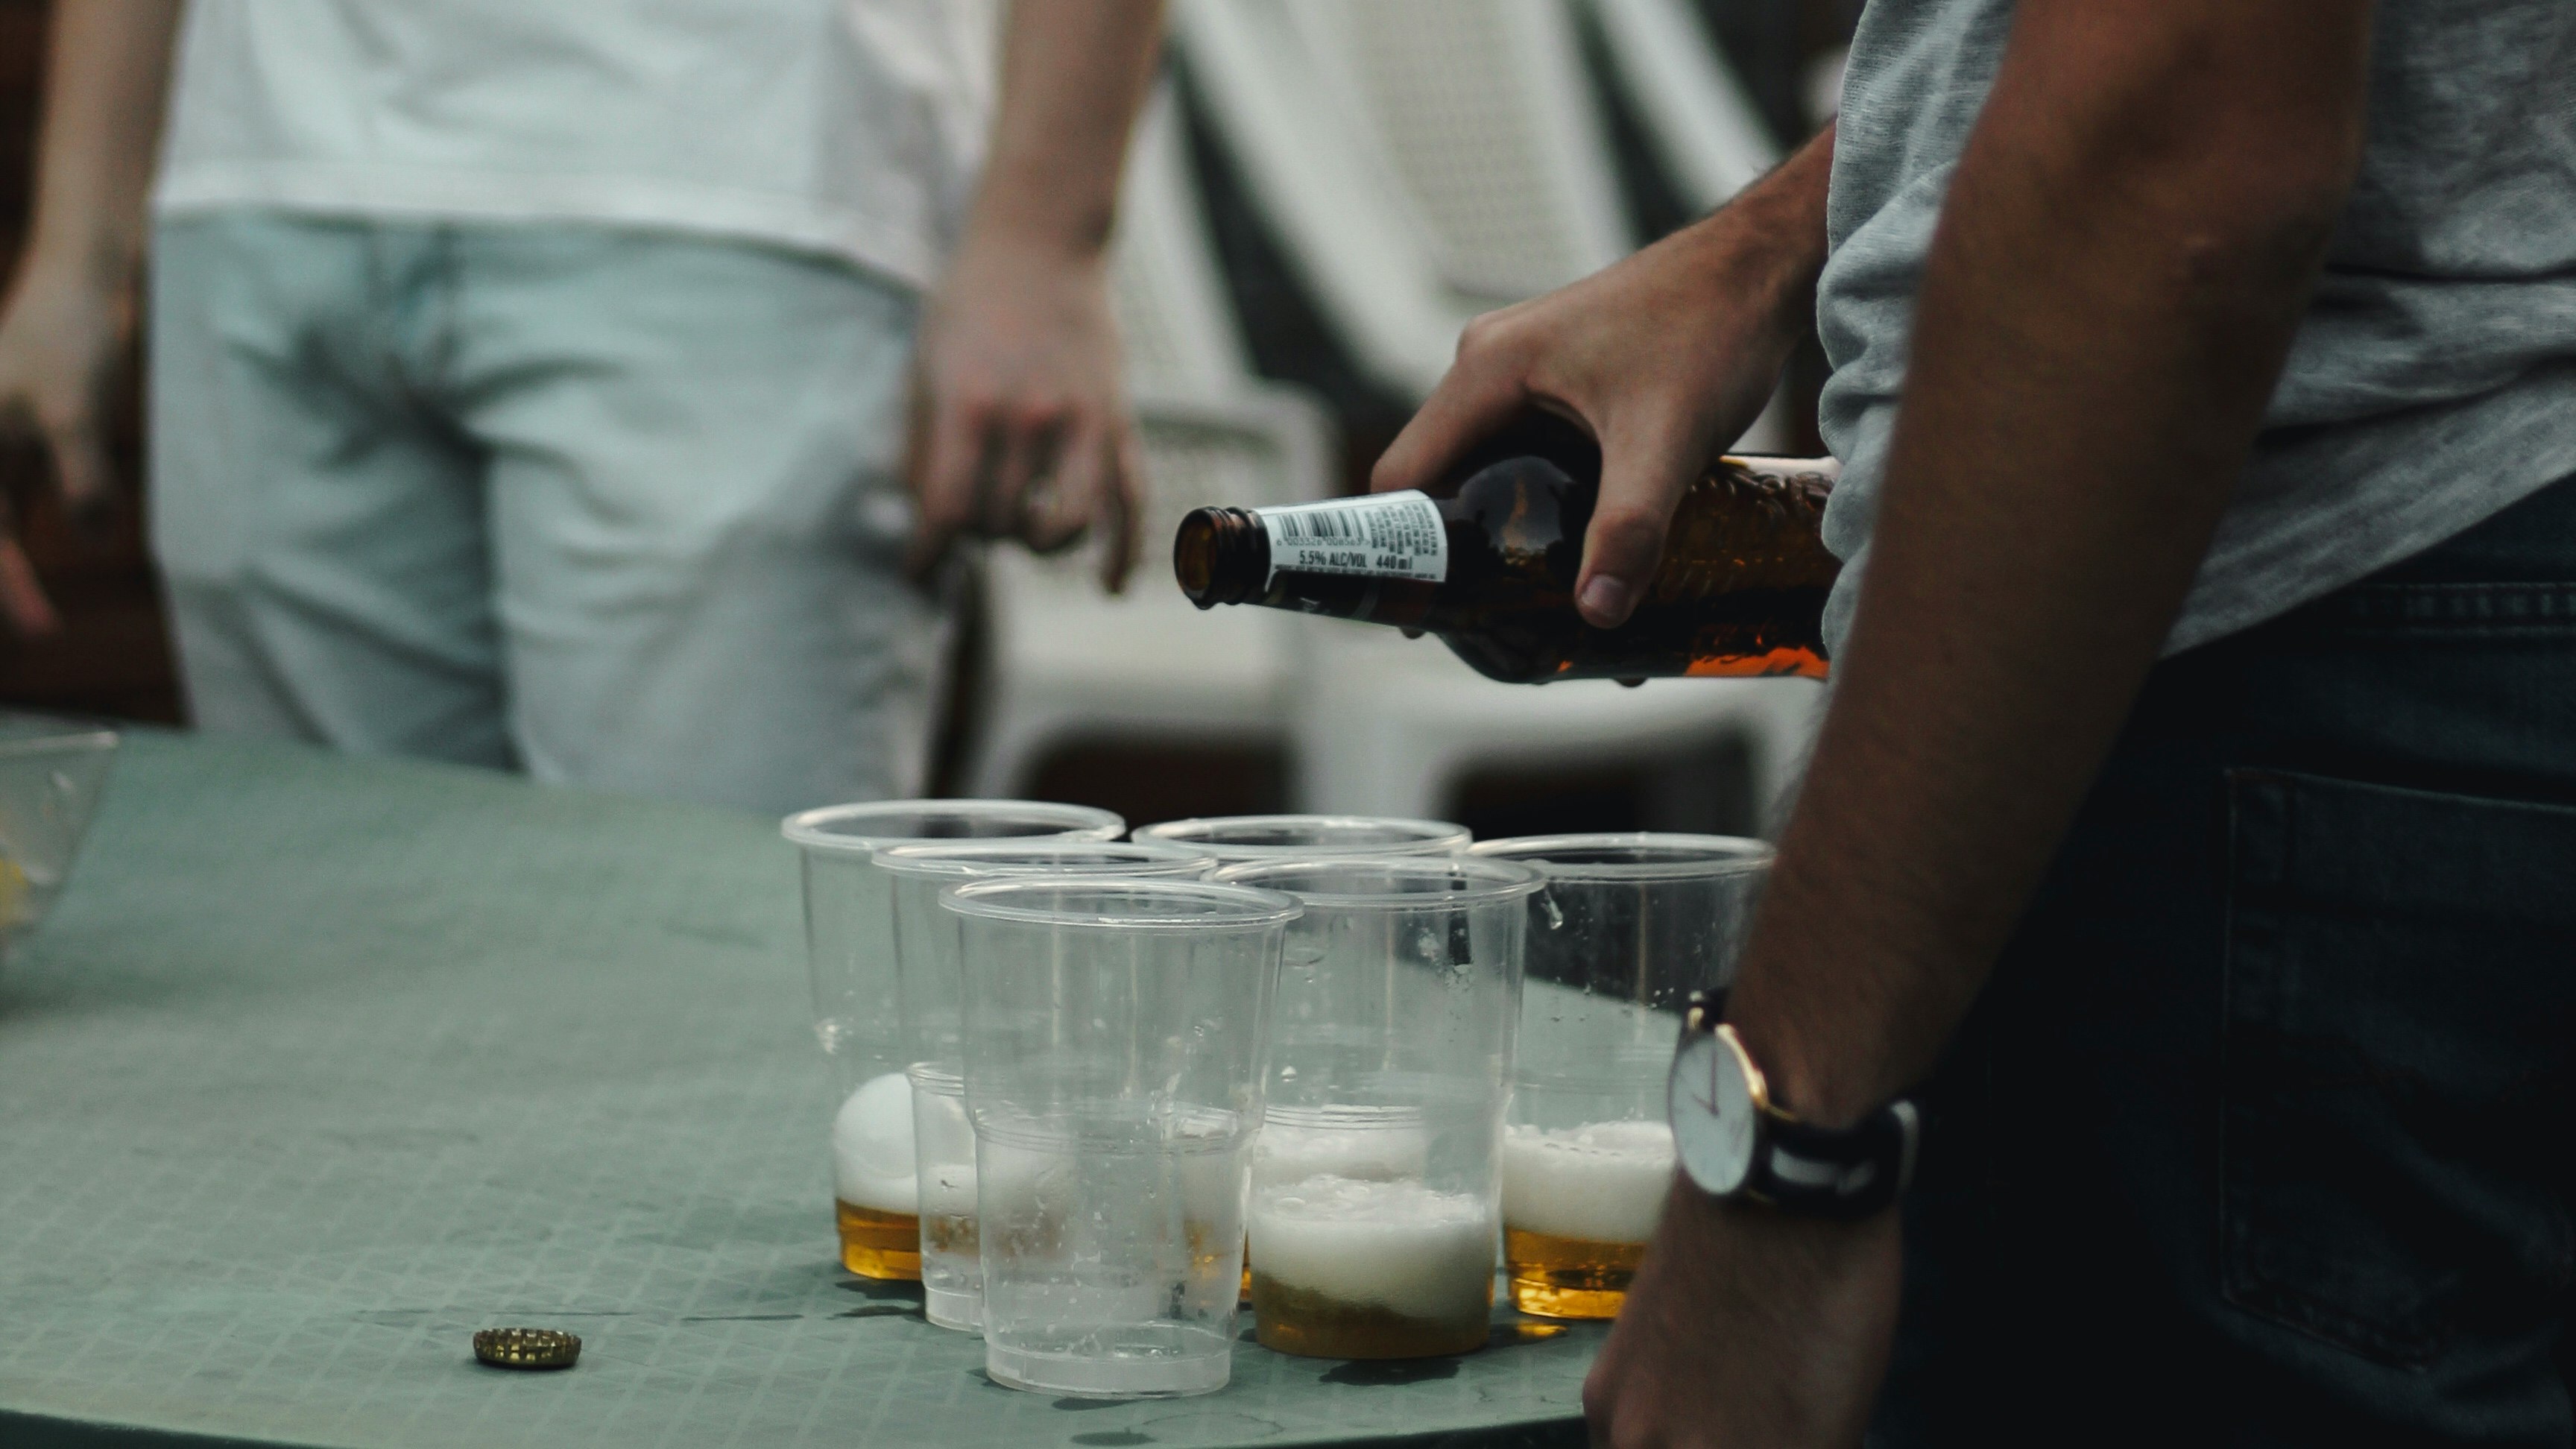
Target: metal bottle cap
{"points": [[526, 1348]]}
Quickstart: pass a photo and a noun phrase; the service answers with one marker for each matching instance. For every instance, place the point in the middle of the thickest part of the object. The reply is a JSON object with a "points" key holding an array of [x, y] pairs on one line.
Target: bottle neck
{"points": [[1222, 556]]}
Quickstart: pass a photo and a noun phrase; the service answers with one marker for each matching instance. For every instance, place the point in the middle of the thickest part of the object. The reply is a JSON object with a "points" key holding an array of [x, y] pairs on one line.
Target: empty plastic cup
{"points": [[1374, 1180], [930, 988], [1241, 839], [1626, 928], [849, 946], [1113, 1080]]}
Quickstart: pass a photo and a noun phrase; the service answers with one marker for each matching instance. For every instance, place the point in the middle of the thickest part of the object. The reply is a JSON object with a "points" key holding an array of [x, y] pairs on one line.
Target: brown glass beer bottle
{"points": [[1487, 559]]}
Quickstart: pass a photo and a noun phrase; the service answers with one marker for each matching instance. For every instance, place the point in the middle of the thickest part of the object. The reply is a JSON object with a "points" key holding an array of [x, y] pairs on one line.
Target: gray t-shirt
{"points": [[2433, 380]]}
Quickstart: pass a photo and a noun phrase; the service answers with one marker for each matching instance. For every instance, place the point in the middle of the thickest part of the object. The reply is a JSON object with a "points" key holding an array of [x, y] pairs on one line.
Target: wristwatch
{"points": [[1735, 1144]]}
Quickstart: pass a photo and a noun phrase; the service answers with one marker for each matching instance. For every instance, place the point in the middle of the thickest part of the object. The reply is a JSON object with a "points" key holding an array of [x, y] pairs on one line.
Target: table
{"points": [[323, 1064]]}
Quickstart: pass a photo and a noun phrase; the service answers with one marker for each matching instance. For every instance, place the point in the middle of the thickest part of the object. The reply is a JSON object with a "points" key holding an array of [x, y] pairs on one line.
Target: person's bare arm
{"points": [[69, 306], [1665, 358], [1019, 426], [2125, 252]]}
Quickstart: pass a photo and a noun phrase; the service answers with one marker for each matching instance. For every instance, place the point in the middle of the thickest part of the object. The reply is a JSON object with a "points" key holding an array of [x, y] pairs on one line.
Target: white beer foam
{"points": [[1397, 1245], [1604, 1181], [1289, 1151], [872, 1163]]}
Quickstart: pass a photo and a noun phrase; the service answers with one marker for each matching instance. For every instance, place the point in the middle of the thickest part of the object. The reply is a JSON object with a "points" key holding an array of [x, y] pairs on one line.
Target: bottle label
{"points": [[1382, 535]]}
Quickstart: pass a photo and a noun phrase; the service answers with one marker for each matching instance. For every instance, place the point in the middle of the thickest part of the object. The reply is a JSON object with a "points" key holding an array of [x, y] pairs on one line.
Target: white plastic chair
{"points": [[1174, 322], [1421, 160], [1393, 726], [1069, 664], [1489, 125], [1699, 120]]}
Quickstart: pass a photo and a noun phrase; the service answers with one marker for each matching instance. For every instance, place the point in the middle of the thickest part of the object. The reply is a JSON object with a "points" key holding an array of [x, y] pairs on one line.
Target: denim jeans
{"points": [[615, 507], [2263, 1131]]}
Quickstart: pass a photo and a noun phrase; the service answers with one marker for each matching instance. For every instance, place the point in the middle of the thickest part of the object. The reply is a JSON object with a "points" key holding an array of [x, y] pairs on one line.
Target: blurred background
{"points": [[1320, 194]]}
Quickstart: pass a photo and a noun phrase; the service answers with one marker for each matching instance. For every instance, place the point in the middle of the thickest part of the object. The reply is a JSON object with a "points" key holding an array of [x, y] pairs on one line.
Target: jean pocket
{"points": [[2400, 972]]}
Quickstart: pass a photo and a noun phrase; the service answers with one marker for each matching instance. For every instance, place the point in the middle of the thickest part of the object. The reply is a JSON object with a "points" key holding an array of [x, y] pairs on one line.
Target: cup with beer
{"points": [[849, 949], [1251, 839], [930, 990], [1374, 1181], [1113, 1041], [1625, 929]]}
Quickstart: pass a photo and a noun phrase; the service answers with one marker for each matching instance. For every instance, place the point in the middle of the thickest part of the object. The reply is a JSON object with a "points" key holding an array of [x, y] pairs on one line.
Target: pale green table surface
{"points": [[323, 1064]]}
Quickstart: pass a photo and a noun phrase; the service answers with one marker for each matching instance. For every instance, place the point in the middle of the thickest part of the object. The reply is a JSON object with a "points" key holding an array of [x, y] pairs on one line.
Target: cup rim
{"points": [[1252, 909], [958, 859], [1684, 856], [811, 829], [942, 1078], [1505, 880], [70, 740], [1429, 837]]}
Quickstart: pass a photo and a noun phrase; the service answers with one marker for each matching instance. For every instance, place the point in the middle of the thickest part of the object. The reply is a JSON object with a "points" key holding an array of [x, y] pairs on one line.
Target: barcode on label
{"points": [[1330, 527], [1388, 535]]}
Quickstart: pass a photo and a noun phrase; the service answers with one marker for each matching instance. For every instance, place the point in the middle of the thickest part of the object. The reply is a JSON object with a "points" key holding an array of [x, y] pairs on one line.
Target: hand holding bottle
{"points": [[1665, 358]]}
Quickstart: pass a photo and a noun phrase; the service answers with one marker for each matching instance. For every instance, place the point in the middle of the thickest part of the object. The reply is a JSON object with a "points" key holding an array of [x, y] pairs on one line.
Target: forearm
{"points": [[105, 82], [2125, 251], [1073, 75], [1766, 246]]}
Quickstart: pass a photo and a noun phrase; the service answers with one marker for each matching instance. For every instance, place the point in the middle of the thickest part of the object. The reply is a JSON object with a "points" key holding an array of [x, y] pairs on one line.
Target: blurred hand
{"points": [[1748, 1329], [60, 340], [1019, 427], [1664, 357]]}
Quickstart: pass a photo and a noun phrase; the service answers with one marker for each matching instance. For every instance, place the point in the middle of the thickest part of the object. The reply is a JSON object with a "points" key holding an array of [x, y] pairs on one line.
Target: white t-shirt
{"points": [[850, 127]]}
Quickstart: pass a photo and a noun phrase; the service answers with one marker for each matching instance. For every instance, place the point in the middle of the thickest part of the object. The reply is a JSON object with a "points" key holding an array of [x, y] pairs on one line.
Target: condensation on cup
{"points": [[1625, 928]]}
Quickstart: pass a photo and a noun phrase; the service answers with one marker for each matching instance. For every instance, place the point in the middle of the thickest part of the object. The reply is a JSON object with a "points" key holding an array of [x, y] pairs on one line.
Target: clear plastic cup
{"points": [[1626, 929], [1252, 839], [849, 946], [51, 774], [1375, 1184], [952, 1272], [1113, 1079], [1242, 839], [930, 989]]}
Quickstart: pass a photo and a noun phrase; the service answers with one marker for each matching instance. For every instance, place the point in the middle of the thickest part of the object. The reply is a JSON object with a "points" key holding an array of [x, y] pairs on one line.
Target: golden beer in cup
{"points": [[1375, 1187], [1578, 1206], [1351, 1268], [873, 1188], [850, 952]]}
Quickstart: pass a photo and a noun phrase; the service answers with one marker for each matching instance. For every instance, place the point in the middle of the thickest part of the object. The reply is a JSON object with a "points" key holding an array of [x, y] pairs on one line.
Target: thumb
{"points": [[22, 596], [1643, 474], [940, 456], [82, 470]]}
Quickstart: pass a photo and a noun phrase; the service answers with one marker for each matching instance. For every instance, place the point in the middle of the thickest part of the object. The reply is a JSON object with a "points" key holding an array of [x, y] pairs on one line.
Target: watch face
{"points": [[1712, 1112]]}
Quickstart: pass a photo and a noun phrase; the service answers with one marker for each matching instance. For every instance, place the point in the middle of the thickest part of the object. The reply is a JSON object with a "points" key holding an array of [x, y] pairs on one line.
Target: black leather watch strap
{"points": [[1851, 1173]]}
